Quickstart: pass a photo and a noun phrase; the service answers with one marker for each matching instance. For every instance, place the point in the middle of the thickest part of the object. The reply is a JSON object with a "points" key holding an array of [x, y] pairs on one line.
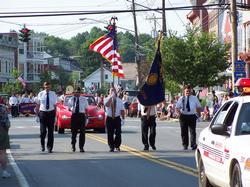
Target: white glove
{"points": [[199, 119], [55, 119], [112, 95], [86, 122], [122, 121], [37, 119]]}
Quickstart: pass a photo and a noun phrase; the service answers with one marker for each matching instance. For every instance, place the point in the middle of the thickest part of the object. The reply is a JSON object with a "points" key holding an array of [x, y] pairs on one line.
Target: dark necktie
{"points": [[47, 104], [188, 106], [77, 106]]}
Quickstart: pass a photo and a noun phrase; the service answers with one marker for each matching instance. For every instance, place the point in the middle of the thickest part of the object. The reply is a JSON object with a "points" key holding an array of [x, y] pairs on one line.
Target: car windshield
{"points": [[90, 99]]}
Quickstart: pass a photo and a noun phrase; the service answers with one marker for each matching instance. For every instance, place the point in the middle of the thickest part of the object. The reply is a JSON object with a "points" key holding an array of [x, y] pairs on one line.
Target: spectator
{"points": [[205, 114], [2, 100], [32, 98], [101, 102], [125, 101], [216, 107]]}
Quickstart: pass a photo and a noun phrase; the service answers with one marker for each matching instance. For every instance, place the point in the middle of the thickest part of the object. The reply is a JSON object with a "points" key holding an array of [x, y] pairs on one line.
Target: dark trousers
{"points": [[147, 124], [78, 120], [47, 121], [188, 122], [14, 111], [114, 127]]}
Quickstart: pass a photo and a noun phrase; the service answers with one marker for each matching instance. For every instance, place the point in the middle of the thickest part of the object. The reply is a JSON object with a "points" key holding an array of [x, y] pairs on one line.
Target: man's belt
{"points": [[188, 115], [48, 111], [149, 116], [115, 117]]}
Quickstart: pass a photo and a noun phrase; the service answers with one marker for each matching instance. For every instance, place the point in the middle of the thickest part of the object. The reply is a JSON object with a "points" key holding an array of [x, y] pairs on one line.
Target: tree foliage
{"points": [[13, 85], [89, 61], [196, 59]]}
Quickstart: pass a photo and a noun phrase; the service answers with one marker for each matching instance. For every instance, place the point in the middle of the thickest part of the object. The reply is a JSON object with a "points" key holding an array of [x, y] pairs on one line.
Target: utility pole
{"points": [[234, 38], [137, 51], [164, 28], [155, 32]]}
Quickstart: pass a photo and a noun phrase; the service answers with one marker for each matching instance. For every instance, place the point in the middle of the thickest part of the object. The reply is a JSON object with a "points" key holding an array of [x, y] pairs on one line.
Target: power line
{"points": [[67, 13]]}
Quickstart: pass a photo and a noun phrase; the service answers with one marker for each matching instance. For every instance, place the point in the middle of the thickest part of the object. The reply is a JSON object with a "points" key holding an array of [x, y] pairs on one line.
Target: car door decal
{"points": [[212, 153]]}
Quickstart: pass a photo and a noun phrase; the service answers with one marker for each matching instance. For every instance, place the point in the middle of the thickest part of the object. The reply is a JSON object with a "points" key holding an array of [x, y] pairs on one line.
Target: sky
{"points": [[69, 26]]}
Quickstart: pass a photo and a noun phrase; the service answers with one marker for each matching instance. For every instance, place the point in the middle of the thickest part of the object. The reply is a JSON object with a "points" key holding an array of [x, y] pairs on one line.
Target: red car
{"points": [[96, 116], [133, 107]]}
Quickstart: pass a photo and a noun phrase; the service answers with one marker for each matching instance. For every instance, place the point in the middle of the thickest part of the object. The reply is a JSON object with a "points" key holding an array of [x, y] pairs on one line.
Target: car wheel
{"points": [[203, 180], [60, 130], [236, 176]]}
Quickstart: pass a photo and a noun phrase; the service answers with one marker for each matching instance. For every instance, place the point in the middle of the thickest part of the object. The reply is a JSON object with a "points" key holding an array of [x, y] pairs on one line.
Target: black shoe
{"points": [[185, 148], [82, 150], [49, 151], [111, 150], [194, 147], [118, 149], [42, 148], [73, 148], [145, 148], [153, 147]]}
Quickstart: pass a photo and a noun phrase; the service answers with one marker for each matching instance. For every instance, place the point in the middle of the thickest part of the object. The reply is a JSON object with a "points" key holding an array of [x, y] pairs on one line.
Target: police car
{"points": [[223, 152]]}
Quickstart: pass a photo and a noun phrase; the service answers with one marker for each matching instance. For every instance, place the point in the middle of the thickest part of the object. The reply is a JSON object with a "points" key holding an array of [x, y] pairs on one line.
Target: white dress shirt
{"points": [[193, 103], [119, 107], [83, 104], [152, 111], [13, 101], [42, 100]]}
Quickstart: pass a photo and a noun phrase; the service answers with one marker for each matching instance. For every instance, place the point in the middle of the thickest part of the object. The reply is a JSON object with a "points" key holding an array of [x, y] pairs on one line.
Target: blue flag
{"points": [[152, 92]]}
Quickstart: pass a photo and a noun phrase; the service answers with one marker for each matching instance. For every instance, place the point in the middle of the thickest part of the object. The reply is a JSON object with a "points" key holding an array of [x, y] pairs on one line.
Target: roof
{"points": [[130, 70]]}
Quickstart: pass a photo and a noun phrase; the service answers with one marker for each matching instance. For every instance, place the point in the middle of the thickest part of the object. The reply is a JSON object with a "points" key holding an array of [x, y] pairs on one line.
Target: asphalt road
{"points": [[168, 166]]}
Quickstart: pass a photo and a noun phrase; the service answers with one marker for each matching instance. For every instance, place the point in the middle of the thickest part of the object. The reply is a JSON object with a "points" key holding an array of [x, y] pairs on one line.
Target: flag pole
{"points": [[113, 18]]}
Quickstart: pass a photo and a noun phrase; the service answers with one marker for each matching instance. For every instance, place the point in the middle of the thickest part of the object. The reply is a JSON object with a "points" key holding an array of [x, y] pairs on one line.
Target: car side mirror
{"points": [[220, 129]]}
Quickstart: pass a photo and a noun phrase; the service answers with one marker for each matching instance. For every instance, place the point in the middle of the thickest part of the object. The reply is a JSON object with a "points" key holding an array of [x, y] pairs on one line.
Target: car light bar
{"points": [[243, 85]]}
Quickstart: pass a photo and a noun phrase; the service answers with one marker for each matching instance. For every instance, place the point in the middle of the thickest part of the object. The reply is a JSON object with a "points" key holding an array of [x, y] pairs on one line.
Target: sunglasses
{"points": [[78, 92]]}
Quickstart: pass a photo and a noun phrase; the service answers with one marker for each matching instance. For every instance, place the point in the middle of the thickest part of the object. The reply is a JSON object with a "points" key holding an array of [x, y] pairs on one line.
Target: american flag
{"points": [[107, 45], [204, 92], [21, 79]]}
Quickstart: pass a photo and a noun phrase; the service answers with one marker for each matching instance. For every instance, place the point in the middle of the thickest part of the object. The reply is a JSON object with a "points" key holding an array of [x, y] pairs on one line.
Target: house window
{"points": [[106, 76]]}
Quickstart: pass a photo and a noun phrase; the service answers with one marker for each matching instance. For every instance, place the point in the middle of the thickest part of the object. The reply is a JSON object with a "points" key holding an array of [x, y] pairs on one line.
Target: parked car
{"points": [[133, 107], [223, 152], [96, 116]]}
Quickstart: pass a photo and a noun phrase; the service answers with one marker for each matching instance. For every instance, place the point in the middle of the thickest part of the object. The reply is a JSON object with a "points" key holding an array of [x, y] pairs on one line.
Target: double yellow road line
{"points": [[150, 157]]}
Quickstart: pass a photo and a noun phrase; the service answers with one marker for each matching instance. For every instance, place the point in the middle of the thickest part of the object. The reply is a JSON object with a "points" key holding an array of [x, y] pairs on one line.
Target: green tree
{"points": [[63, 77], [13, 85], [76, 78], [195, 59], [47, 76]]}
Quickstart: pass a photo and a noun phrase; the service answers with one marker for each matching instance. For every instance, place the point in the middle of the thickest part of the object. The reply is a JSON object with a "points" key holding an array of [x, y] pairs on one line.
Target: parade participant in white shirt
{"points": [[46, 104], [148, 123], [186, 108], [114, 109], [80, 117], [13, 103]]}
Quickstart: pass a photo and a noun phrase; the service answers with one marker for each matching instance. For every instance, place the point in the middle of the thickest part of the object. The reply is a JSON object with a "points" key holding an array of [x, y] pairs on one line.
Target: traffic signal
{"points": [[24, 34]]}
